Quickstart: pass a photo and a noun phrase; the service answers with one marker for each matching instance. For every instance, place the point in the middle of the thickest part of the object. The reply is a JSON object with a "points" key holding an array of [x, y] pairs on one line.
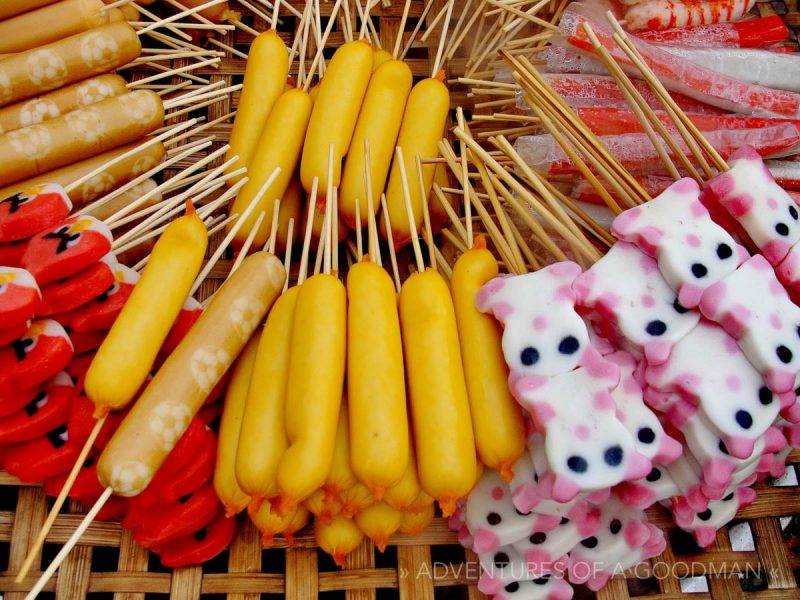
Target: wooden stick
{"points": [[180, 15], [307, 239], [417, 27], [67, 548], [335, 233], [465, 9], [399, 40], [523, 245], [412, 226], [288, 255], [372, 229], [454, 239], [246, 28], [389, 238], [248, 242], [323, 41], [178, 71], [184, 37], [234, 230], [272, 241], [426, 215], [348, 24], [329, 211], [445, 268], [437, 63], [228, 48], [464, 178], [359, 244]]}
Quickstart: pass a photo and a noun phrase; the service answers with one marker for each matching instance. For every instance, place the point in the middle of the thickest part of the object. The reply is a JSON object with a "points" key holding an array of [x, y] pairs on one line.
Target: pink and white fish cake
{"points": [[626, 287], [765, 211], [704, 525], [657, 485], [752, 306], [505, 567], [649, 437], [708, 370], [587, 447], [527, 496], [688, 476], [546, 587], [692, 251], [788, 272], [622, 529], [546, 551], [655, 545], [543, 334], [491, 516]]}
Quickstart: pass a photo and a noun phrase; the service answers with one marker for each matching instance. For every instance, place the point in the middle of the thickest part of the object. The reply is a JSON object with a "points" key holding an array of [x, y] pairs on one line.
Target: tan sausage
{"points": [[174, 396], [60, 102], [72, 59], [77, 135], [215, 14], [104, 211], [50, 23], [99, 185], [9, 8]]}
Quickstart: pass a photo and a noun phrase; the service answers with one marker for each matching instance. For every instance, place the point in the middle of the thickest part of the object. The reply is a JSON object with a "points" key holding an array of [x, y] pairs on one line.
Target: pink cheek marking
{"points": [[739, 206], [582, 432], [693, 240], [775, 287], [731, 345], [772, 203], [544, 412], [502, 310], [647, 264], [603, 401], [733, 383], [698, 210], [685, 186], [722, 185], [775, 321], [497, 493], [565, 293], [648, 301], [540, 323]]}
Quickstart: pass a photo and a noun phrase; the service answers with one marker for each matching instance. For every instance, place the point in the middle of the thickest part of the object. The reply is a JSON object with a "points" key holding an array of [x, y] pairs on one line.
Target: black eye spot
{"points": [[577, 464], [744, 419], [564, 521], [653, 475], [590, 542], [529, 356], [728, 498], [538, 538], [493, 518], [569, 345], [522, 514], [501, 559], [784, 354], [615, 526], [724, 251], [765, 396], [699, 271], [542, 580], [722, 447], [681, 310], [793, 212], [512, 587], [535, 478], [613, 456], [646, 435], [656, 328], [705, 515], [797, 330], [782, 229]]}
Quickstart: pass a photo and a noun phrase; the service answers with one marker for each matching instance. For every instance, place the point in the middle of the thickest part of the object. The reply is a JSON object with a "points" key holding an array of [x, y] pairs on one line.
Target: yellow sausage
{"points": [[50, 23], [380, 56], [280, 145], [80, 134], [378, 122], [269, 524], [263, 435], [354, 499], [319, 220], [340, 477], [403, 493], [439, 406], [107, 209], [423, 122], [496, 416], [16, 7], [375, 379], [414, 523], [291, 208], [338, 538], [264, 79], [421, 502], [379, 522], [61, 101], [111, 178], [173, 397], [66, 61], [134, 340], [335, 112], [230, 494], [315, 384], [323, 507]]}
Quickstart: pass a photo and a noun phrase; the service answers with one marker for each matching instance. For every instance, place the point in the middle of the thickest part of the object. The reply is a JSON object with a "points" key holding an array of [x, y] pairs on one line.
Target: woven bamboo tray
{"points": [[756, 557]]}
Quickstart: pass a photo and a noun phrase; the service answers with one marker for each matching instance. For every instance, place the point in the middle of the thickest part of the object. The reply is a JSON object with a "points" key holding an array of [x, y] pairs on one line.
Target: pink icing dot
{"points": [[733, 383], [698, 210], [603, 401], [772, 203], [497, 493], [685, 186], [775, 320], [776, 288], [582, 432], [502, 310], [693, 240], [540, 323], [648, 301]]}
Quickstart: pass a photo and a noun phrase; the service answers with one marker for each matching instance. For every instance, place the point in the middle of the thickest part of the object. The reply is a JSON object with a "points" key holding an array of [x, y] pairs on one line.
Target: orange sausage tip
{"points": [[231, 511], [506, 472], [255, 505], [284, 505], [190, 210], [101, 412], [325, 517], [479, 242], [378, 491], [339, 559], [267, 540], [440, 76], [330, 494], [349, 511], [448, 506], [289, 537], [381, 542]]}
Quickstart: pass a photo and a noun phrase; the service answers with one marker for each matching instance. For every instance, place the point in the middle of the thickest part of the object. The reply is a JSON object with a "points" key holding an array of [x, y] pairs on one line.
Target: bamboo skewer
{"points": [[389, 238]]}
